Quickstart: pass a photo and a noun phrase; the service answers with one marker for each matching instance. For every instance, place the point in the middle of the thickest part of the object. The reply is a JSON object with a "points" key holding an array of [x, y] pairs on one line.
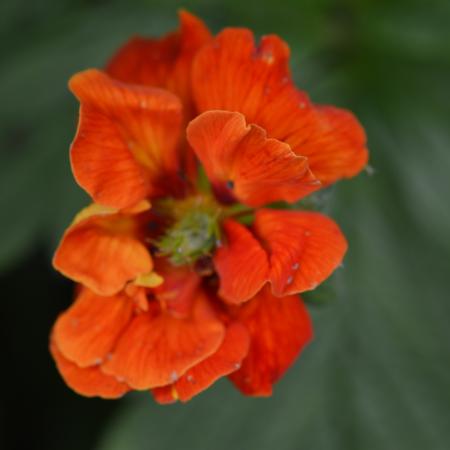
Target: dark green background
{"points": [[377, 375]]}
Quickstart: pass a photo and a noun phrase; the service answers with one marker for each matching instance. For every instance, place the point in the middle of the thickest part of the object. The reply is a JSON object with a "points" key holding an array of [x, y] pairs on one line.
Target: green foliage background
{"points": [[377, 375]]}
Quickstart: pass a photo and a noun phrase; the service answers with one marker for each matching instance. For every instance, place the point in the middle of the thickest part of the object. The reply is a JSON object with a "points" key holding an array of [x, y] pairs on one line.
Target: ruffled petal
{"points": [[89, 329], [232, 73], [103, 250], [279, 329], [225, 360], [241, 263], [88, 381], [126, 147], [304, 248], [295, 251], [243, 164], [158, 348], [164, 62]]}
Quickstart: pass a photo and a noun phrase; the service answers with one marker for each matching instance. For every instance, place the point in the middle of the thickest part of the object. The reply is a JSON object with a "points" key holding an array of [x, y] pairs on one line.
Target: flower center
{"points": [[194, 232]]}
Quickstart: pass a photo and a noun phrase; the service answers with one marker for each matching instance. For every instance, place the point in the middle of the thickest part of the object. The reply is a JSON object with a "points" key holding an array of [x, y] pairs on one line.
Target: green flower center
{"points": [[194, 232]]}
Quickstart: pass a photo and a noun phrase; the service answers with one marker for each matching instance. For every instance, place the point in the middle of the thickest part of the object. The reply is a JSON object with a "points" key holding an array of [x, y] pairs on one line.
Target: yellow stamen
{"points": [[174, 393], [149, 280], [93, 210]]}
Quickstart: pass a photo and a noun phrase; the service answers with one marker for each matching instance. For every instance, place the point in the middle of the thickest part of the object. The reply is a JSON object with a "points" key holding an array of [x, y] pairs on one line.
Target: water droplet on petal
{"points": [[290, 279], [268, 57], [190, 378], [173, 376], [295, 266]]}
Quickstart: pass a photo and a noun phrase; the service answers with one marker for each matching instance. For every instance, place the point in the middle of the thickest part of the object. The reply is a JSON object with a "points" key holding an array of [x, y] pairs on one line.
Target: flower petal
{"points": [[103, 251], [176, 293], [304, 248], [88, 381], [164, 62], [279, 329], [338, 148], [126, 144], [233, 74], [89, 329], [241, 263], [165, 395], [158, 348], [244, 164], [225, 360]]}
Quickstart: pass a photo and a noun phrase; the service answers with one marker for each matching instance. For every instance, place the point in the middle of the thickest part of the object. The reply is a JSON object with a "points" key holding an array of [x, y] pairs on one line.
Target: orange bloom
{"points": [[184, 280]]}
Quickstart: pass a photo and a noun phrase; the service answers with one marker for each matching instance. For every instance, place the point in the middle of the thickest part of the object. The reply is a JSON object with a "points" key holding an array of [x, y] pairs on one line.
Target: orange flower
{"points": [[175, 290]]}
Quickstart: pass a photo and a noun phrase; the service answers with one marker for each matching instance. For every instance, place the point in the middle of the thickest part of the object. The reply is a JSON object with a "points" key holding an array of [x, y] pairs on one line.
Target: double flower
{"points": [[188, 263]]}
